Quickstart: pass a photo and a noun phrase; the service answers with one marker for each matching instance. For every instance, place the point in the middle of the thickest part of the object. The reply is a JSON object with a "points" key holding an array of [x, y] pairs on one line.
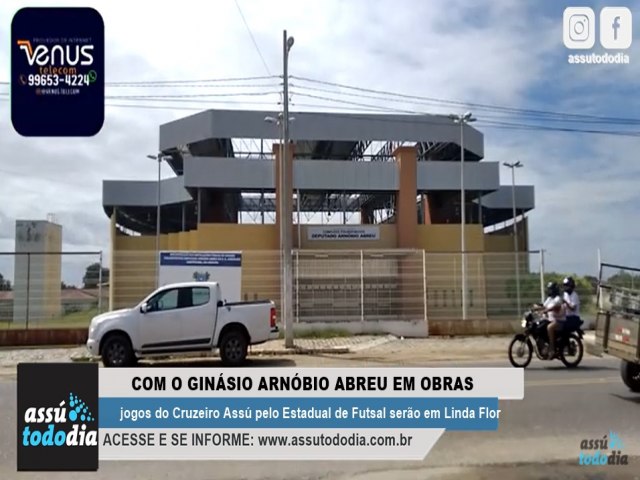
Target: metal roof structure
{"points": [[343, 163]]}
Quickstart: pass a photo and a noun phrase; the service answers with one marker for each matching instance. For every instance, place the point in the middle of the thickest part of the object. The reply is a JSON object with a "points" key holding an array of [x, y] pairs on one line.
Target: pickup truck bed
{"points": [[618, 330]]}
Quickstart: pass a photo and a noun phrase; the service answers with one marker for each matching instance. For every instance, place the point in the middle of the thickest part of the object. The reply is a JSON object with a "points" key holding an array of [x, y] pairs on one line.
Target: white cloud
{"points": [[494, 52]]}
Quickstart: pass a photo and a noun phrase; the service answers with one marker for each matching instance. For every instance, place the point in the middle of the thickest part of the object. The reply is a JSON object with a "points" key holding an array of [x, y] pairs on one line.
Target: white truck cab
{"points": [[181, 318]]}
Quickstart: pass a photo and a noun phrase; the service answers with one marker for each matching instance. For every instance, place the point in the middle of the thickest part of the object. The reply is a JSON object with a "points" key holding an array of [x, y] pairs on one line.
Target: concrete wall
{"points": [[37, 276], [133, 267]]}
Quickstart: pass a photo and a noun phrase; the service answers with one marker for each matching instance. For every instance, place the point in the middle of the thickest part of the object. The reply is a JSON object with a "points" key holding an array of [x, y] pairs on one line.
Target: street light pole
{"points": [[157, 158], [513, 167], [462, 120]]}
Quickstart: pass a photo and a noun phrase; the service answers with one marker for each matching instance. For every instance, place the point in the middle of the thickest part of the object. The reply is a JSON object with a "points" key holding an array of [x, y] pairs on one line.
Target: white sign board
{"points": [[222, 267], [344, 232]]}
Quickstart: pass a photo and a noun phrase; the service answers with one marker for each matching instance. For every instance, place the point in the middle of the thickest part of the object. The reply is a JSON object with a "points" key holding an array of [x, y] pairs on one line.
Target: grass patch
{"points": [[72, 320], [320, 333]]}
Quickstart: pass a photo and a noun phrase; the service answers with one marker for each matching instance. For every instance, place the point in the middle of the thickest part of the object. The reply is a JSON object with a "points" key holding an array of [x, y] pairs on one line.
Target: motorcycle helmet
{"points": [[569, 284], [553, 290]]}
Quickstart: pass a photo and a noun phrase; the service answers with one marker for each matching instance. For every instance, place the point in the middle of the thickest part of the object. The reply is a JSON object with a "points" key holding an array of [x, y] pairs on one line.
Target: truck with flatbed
{"points": [[618, 320], [181, 318]]}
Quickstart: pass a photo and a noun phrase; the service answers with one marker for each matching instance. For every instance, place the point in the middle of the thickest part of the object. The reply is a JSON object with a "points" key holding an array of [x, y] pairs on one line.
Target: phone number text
{"points": [[78, 80]]}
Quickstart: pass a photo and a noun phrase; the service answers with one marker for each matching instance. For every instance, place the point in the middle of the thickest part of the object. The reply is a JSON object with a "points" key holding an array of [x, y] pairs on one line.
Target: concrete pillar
{"points": [[409, 266], [366, 216], [426, 210], [406, 205], [214, 204], [112, 253]]}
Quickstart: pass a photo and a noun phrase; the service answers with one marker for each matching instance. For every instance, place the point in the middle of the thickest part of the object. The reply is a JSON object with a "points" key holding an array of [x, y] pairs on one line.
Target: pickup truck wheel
{"points": [[631, 375], [233, 348], [117, 352]]}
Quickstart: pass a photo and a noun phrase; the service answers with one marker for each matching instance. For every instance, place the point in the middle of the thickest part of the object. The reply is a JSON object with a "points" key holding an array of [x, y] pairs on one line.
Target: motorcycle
{"points": [[535, 338]]}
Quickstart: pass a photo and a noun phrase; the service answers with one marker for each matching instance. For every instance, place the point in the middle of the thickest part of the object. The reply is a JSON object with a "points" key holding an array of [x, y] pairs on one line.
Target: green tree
{"points": [[5, 284], [593, 281], [530, 287], [92, 276], [624, 279]]}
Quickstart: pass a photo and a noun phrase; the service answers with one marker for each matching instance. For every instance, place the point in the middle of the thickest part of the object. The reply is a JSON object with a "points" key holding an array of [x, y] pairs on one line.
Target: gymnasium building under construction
{"points": [[376, 216]]}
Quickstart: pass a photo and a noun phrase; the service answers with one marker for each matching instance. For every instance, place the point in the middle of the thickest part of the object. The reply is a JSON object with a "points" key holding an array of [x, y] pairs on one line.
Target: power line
{"points": [[489, 123], [181, 97], [486, 123], [194, 85], [386, 96], [187, 82], [181, 108], [496, 115], [197, 95], [255, 44], [470, 104], [182, 83]]}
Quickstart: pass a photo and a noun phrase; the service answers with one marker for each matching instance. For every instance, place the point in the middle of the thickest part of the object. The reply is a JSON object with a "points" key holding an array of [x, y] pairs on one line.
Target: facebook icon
{"points": [[615, 25], [615, 28]]}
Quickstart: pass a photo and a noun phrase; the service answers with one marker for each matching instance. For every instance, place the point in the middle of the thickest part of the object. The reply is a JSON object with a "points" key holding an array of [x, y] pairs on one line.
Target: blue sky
{"points": [[507, 53]]}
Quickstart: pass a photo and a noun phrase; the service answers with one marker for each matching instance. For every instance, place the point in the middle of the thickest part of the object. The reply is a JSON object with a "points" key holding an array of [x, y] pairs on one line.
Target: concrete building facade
{"points": [[360, 182]]}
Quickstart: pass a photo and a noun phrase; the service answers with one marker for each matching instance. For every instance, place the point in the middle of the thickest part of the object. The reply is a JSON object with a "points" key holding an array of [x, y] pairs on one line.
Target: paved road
{"points": [[538, 437]]}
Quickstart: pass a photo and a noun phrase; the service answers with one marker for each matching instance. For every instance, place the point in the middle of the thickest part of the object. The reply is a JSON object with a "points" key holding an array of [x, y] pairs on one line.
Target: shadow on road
{"points": [[581, 368], [633, 398], [215, 363], [567, 470]]}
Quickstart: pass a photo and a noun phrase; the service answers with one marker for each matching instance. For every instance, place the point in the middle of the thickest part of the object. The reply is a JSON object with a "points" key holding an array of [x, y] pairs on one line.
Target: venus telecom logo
{"points": [[57, 65]]}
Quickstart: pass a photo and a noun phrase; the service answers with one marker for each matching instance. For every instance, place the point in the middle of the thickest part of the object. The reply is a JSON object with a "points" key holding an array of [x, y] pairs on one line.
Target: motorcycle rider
{"points": [[554, 308], [571, 300]]}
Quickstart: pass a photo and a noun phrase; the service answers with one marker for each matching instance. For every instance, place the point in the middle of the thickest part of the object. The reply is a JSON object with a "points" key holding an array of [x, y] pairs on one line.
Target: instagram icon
{"points": [[579, 28]]}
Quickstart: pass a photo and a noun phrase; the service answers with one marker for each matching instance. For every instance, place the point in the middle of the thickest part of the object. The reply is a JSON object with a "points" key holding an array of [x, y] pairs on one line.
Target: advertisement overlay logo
{"points": [[57, 427], [579, 25], [615, 28], [615, 34], [607, 450], [57, 72]]}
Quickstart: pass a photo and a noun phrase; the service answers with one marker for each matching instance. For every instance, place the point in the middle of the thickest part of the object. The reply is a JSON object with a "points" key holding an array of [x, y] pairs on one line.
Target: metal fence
{"points": [[51, 289], [619, 289], [367, 285]]}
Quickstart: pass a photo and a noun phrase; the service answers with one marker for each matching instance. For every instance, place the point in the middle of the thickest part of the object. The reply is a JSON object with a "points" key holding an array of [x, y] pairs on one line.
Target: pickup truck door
{"points": [[197, 316], [160, 326]]}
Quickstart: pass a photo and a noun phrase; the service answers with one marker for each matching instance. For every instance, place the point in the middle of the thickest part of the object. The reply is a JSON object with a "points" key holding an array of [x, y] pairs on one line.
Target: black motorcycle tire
{"points": [[630, 373], [520, 338], [579, 353]]}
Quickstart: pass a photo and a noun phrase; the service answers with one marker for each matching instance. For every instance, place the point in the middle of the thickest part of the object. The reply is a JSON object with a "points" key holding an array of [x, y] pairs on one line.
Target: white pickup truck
{"points": [[179, 318]]}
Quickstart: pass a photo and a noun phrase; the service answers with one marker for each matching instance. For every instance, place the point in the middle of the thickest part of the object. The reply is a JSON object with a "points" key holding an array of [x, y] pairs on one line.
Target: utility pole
{"points": [[287, 211]]}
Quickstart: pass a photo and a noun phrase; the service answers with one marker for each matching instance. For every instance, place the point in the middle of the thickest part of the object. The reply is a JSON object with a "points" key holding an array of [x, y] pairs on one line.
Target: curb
{"points": [[373, 343], [302, 351], [265, 353]]}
